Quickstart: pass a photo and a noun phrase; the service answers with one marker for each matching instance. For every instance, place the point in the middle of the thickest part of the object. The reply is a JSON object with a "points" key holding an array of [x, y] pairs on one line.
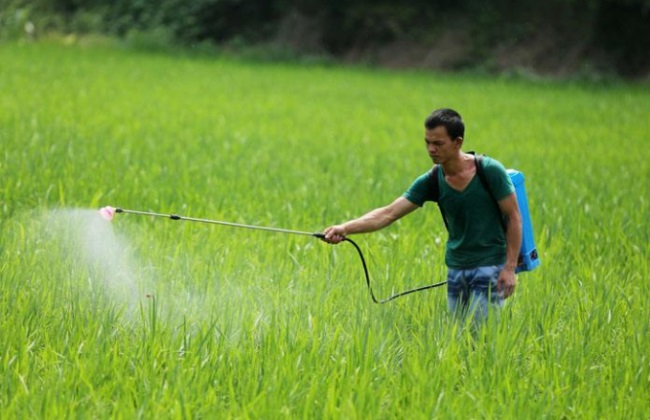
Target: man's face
{"points": [[440, 145]]}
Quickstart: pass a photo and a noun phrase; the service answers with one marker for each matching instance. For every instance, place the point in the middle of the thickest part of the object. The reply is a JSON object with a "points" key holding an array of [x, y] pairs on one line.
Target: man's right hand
{"points": [[334, 234]]}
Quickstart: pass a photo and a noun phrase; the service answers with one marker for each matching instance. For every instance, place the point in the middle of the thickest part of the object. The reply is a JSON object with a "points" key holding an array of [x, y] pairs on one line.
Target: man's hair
{"points": [[447, 118]]}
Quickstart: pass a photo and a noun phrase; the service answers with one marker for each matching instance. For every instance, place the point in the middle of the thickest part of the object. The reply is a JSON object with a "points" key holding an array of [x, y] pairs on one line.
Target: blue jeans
{"points": [[470, 290]]}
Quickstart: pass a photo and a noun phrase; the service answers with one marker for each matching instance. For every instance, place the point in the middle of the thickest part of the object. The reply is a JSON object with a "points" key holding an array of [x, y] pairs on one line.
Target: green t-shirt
{"points": [[476, 237]]}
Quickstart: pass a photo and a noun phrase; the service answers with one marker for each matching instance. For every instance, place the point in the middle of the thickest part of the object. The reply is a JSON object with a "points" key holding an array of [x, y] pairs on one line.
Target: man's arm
{"points": [[374, 220], [510, 209]]}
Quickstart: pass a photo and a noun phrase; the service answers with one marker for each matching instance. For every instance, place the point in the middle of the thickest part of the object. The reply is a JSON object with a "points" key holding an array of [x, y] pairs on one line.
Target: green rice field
{"points": [[150, 318]]}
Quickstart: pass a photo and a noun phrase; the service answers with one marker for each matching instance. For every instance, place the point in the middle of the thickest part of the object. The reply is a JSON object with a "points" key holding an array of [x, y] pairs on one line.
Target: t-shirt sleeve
{"points": [[420, 190], [498, 179]]}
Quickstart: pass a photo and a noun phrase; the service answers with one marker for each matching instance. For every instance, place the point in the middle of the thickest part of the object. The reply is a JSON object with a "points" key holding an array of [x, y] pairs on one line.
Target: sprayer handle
{"points": [[318, 235]]}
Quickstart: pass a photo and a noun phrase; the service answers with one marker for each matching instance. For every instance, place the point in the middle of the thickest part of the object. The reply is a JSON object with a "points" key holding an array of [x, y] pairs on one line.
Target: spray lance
{"points": [[109, 212]]}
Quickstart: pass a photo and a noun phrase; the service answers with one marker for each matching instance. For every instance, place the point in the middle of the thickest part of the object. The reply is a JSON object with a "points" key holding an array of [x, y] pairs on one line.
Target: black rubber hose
{"points": [[395, 296]]}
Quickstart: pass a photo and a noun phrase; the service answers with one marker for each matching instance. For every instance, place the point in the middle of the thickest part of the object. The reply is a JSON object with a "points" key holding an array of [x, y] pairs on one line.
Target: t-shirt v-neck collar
{"points": [[454, 190]]}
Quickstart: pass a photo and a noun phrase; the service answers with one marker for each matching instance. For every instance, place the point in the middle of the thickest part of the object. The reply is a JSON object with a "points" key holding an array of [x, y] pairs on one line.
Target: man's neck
{"points": [[455, 165]]}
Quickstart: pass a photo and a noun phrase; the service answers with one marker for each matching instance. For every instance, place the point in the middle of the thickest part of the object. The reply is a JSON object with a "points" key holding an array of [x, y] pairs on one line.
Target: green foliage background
{"points": [[254, 325]]}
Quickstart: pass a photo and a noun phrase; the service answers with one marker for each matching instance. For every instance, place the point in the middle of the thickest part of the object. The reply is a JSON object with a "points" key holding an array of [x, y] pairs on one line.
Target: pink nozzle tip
{"points": [[107, 212]]}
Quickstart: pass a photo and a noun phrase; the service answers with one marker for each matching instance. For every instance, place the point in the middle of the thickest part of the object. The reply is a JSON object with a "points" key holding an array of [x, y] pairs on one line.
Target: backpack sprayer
{"points": [[109, 212], [528, 258]]}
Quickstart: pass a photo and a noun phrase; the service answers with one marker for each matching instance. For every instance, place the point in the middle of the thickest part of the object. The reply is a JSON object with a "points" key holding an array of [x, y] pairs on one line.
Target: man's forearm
{"points": [[373, 220], [513, 240], [369, 222]]}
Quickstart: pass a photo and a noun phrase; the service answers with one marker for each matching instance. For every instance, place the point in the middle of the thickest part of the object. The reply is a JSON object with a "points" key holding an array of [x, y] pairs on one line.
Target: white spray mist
{"points": [[89, 241]]}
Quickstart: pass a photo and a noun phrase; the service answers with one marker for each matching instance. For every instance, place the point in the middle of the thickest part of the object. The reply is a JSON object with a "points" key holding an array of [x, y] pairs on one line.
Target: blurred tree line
{"points": [[613, 35]]}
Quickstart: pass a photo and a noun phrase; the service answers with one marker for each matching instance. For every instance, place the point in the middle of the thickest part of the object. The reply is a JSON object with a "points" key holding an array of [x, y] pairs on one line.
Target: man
{"points": [[480, 256]]}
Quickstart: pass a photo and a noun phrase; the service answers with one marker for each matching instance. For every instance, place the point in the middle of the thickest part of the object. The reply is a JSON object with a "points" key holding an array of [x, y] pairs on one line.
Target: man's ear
{"points": [[458, 142]]}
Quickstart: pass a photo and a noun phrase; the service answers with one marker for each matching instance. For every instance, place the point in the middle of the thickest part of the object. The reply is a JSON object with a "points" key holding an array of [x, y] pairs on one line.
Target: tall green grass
{"points": [[246, 324]]}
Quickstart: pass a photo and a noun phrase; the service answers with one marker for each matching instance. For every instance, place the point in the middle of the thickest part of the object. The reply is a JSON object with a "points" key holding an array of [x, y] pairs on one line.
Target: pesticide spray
{"points": [[74, 261], [73, 257]]}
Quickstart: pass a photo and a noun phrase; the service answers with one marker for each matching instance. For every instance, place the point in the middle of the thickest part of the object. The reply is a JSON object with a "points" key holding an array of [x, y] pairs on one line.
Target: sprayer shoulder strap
{"points": [[480, 171], [478, 161], [435, 190]]}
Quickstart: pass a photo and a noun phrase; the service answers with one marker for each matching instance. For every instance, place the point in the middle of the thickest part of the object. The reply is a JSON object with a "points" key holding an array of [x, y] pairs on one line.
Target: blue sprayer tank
{"points": [[528, 257]]}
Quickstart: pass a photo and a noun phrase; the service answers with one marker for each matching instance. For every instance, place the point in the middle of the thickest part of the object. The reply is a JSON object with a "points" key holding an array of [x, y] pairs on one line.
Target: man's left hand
{"points": [[507, 282]]}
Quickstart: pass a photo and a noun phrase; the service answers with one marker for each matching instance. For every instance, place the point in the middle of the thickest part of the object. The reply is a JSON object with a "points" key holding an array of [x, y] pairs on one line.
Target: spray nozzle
{"points": [[108, 212]]}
